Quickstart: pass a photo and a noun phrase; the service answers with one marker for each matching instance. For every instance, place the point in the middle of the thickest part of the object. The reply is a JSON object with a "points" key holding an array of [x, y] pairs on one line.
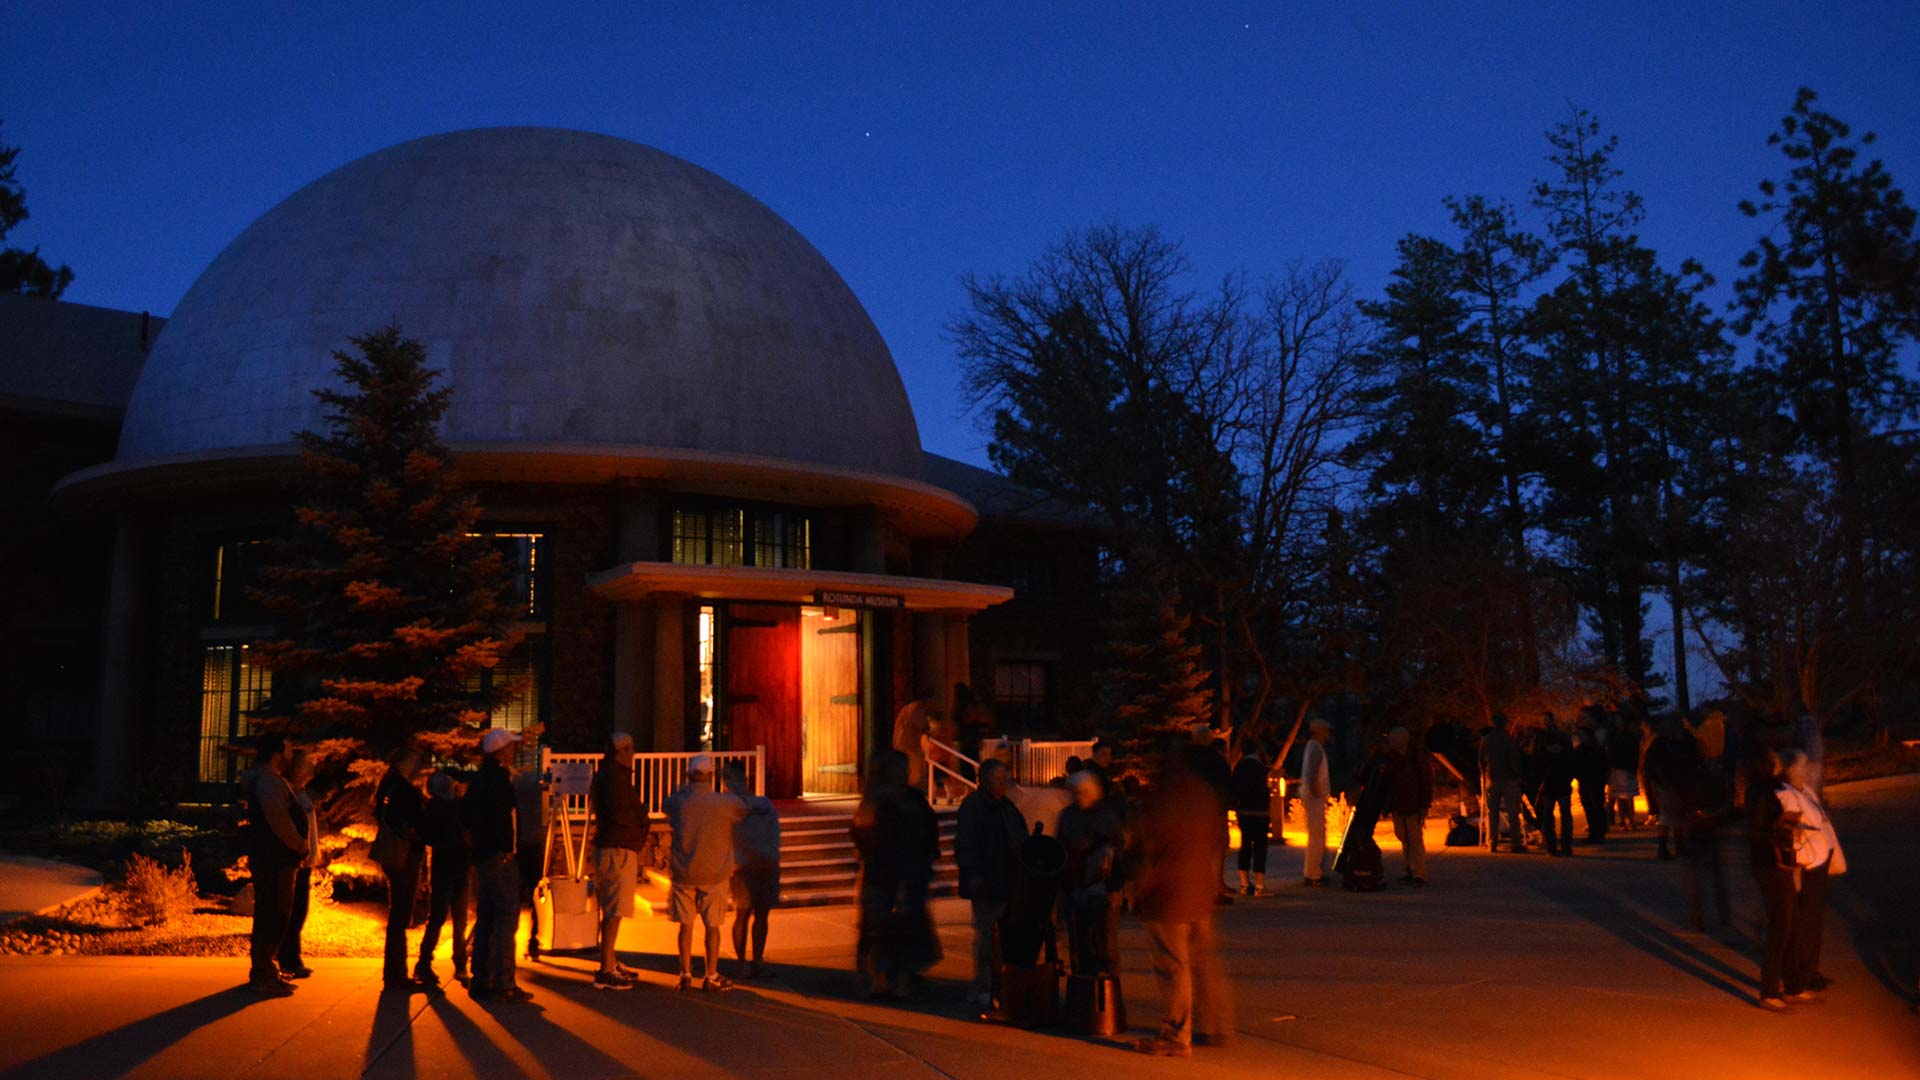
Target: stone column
{"points": [[119, 696], [633, 629], [670, 698]]}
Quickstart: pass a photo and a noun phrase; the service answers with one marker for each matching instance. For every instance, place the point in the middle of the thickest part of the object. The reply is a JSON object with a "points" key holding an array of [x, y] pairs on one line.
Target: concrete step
{"points": [[846, 895]]}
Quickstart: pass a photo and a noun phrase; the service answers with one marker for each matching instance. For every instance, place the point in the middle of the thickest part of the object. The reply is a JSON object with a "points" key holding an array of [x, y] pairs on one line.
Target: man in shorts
{"points": [[701, 865], [619, 831]]}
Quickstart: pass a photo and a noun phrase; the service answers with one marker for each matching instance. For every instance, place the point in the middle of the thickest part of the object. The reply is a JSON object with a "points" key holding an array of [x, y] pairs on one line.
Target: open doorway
{"points": [[830, 701]]}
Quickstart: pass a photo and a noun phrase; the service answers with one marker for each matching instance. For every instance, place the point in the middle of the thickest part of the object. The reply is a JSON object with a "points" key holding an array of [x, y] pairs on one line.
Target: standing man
{"points": [[276, 848], [1409, 783], [1253, 807], [1316, 787], [300, 769], [1099, 763], [1500, 771], [986, 845], [910, 727], [701, 865], [1180, 849], [489, 813], [1555, 755], [619, 832]]}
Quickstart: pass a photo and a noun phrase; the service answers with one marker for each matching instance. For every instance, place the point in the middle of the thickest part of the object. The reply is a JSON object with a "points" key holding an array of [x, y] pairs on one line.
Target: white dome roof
{"points": [[574, 288]]}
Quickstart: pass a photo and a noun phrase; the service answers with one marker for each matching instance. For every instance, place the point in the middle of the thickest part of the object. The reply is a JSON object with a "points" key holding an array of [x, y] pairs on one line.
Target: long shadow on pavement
{"points": [[121, 1050], [1610, 914], [392, 1029]]}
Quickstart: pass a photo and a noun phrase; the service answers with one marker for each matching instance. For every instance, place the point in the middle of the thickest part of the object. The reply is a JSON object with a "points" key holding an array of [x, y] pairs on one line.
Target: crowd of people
{"points": [[1157, 848]]}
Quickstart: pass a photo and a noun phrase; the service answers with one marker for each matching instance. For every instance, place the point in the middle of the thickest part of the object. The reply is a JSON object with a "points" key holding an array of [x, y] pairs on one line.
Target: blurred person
{"points": [[1179, 849], [910, 727], [756, 871], [488, 810], [1623, 771], [530, 811], [276, 847], [1813, 748], [1590, 770], [300, 771], [400, 816], [1099, 764], [449, 879], [898, 838], [1699, 808], [1501, 770], [619, 834], [1669, 759], [701, 866], [986, 845], [1816, 857], [1316, 789], [1554, 768], [1090, 829], [1408, 781], [1253, 809]]}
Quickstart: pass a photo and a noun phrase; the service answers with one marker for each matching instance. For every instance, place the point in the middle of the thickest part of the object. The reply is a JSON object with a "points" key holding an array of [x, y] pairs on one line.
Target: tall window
{"points": [[233, 684], [521, 552], [730, 536], [1020, 694], [519, 674], [236, 570]]}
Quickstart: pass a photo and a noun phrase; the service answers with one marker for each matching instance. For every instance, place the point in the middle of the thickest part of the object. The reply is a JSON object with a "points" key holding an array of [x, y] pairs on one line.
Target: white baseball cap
{"points": [[700, 765], [495, 738]]}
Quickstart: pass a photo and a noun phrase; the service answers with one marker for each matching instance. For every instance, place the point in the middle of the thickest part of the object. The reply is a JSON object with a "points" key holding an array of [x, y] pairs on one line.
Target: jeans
{"points": [[289, 956], [1557, 796], [1191, 979], [450, 885], [1412, 831], [496, 921], [1254, 835], [1316, 811], [1504, 795], [986, 925], [403, 884], [272, 910]]}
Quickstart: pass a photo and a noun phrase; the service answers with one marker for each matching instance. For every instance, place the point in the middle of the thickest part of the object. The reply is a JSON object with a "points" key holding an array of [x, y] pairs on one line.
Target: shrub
{"points": [[154, 892]]}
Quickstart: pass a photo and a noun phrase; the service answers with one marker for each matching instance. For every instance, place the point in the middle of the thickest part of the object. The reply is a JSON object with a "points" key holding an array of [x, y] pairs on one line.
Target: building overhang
{"points": [[643, 580], [916, 508]]}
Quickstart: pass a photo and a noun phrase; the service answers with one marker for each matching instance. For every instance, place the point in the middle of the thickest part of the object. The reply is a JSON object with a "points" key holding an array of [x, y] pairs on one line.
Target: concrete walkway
{"points": [[29, 885], [1508, 966]]}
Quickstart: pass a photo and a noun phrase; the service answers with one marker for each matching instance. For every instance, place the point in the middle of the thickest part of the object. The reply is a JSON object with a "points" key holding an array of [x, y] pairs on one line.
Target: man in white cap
{"points": [[488, 812], [1316, 787], [701, 865]]}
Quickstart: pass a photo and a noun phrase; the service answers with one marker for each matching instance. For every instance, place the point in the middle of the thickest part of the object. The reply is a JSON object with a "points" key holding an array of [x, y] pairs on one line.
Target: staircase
{"points": [[818, 865]]}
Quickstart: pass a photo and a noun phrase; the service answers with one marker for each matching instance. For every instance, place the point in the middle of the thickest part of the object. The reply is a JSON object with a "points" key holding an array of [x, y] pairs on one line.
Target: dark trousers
{"points": [[1809, 927], [1593, 803], [403, 884], [449, 886], [1498, 796], [1777, 893], [1557, 797], [272, 910], [496, 894], [289, 956], [1703, 870], [1254, 829]]}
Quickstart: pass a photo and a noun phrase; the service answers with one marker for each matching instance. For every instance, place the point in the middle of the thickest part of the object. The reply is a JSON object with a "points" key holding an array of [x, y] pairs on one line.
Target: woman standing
{"points": [[299, 775], [1793, 847], [399, 814], [898, 838]]}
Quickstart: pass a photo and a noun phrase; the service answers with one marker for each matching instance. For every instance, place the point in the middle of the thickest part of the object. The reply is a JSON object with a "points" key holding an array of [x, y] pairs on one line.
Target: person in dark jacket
{"points": [[1553, 765], [619, 832], [1669, 759], [986, 845], [1501, 771], [1771, 855], [1253, 808], [299, 774], [449, 878], [275, 847], [898, 838], [399, 811], [488, 811], [1590, 767], [1408, 780], [1089, 828], [1179, 849], [1205, 757]]}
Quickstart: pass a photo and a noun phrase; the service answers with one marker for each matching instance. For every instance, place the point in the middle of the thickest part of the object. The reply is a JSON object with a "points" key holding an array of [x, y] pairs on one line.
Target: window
{"points": [[707, 633], [527, 594], [728, 536], [1020, 694], [521, 674], [233, 685], [236, 572]]}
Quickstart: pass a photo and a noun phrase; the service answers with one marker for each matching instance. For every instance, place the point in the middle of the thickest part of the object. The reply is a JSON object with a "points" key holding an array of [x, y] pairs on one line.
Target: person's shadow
{"points": [[116, 1052], [1610, 914]]}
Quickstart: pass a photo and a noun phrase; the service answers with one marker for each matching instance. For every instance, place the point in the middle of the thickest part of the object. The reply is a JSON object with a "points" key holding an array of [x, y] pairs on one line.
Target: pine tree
{"points": [[21, 271], [390, 604], [1155, 684]]}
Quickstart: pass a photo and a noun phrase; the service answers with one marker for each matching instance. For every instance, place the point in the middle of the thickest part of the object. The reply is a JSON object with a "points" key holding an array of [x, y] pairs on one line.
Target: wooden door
{"points": [[763, 689], [830, 702]]}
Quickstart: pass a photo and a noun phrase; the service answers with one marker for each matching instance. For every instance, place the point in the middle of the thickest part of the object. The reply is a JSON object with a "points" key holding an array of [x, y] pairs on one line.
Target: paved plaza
{"points": [[1507, 966]]}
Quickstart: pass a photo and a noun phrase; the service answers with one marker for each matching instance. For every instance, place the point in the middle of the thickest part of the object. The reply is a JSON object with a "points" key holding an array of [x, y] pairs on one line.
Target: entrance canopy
{"points": [[639, 580]]}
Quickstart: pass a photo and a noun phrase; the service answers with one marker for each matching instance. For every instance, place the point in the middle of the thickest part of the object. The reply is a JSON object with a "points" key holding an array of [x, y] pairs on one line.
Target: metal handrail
{"points": [[655, 775], [969, 785]]}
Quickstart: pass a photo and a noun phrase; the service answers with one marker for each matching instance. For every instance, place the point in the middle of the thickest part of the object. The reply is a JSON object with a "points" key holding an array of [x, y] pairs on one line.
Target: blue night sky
{"points": [[913, 142]]}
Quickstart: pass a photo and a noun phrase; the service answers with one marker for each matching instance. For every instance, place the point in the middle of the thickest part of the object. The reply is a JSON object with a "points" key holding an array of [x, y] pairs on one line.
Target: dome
{"points": [[574, 288]]}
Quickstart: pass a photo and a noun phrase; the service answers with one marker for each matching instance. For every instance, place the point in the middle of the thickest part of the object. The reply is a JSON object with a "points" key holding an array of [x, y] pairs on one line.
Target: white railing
{"points": [[945, 784], [1038, 761], [656, 775]]}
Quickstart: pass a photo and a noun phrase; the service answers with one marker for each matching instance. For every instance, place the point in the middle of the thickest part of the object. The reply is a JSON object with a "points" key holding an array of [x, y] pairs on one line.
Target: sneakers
{"points": [[612, 980], [1774, 1004], [717, 983], [297, 971], [1164, 1048], [270, 987], [425, 976], [1804, 997]]}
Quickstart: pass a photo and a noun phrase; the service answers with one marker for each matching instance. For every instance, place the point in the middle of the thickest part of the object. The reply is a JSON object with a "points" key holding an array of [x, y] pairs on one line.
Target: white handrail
{"points": [[656, 775], [1038, 761], [933, 791]]}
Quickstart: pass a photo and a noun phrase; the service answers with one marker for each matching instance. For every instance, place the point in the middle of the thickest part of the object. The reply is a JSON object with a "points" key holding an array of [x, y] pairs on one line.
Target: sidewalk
{"points": [[29, 885]]}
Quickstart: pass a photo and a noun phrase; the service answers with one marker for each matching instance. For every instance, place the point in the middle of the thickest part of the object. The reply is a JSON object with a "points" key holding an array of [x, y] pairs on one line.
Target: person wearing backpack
{"points": [[488, 812]]}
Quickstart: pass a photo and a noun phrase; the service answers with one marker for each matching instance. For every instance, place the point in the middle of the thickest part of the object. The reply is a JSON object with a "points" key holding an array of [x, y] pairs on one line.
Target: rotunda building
{"points": [[686, 434]]}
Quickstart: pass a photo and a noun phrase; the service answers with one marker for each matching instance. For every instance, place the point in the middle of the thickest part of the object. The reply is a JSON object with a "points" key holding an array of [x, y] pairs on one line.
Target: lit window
{"points": [[520, 675], [527, 594], [781, 539], [706, 644], [236, 571], [233, 686]]}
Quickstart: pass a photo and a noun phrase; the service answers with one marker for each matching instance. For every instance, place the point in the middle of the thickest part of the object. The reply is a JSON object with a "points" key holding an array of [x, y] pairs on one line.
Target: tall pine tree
{"points": [[389, 604]]}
